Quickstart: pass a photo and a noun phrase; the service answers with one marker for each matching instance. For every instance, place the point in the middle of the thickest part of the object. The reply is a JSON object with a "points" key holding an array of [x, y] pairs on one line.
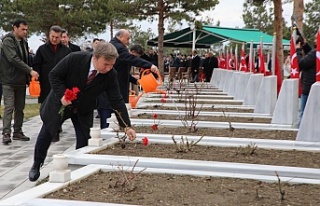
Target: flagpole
{"points": [[273, 58], [318, 56], [294, 34], [261, 53], [251, 55]]}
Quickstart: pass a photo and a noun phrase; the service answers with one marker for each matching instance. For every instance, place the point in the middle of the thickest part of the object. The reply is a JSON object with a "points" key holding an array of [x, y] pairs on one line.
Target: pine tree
{"points": [[77, 16]]}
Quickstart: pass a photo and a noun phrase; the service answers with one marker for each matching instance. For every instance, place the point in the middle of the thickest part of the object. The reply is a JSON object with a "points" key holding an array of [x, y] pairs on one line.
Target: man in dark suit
{"points": [[73, 71], [125, 61], [195, 64], [47, 56], [212, 63], [177, 61], [65, 39]]}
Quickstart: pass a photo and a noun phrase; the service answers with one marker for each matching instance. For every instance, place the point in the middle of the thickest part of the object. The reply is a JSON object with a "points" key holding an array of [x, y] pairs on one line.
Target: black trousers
{"points": [[44, 139]]}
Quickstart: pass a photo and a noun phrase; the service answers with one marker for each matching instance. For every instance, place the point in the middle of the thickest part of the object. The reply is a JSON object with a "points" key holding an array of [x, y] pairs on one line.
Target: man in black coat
{"points": [[307, 66], [125, 61], [65, 40], [177, 61], [195, 64], [212, 62], [47, 56], [73, 71]]}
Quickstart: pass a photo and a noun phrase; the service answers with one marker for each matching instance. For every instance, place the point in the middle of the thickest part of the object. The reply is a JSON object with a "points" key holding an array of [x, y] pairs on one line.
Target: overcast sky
{"points": [[229, 12]]}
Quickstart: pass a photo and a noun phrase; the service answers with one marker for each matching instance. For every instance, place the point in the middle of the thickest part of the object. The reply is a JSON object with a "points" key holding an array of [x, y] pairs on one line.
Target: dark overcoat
{"points": [[44, 61], [123, 66], [71, 72]]}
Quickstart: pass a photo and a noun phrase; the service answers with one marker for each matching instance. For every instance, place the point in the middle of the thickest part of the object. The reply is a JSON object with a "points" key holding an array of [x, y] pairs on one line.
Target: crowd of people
{"points": [[101, 75], [59, 65]]}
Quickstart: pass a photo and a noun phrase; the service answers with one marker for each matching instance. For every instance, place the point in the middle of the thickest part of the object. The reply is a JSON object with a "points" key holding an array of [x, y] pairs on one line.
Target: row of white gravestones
{"points": [[287, 104], [284, 109], [259, 92]]}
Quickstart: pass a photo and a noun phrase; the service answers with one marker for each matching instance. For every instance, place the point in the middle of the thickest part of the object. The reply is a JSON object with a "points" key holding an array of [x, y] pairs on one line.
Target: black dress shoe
{"points": [[56, 138], [20, 136], [34, 172], [6, 139]]}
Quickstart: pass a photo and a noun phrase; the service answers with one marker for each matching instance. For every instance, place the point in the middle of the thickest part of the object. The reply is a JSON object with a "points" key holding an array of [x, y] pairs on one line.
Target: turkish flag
{"points": [[230, 61], [222, 61], [295, 72], [227, 60], [318, 56], [236, 63], [243, 65], [262, 66], [278, 73]]}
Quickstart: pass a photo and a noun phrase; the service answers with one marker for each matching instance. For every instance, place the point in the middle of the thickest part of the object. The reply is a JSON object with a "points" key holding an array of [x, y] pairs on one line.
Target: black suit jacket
{"points": [[44, 61], [123, 66], [74, 47], [195, 64], [213, 63], [71, 72]]}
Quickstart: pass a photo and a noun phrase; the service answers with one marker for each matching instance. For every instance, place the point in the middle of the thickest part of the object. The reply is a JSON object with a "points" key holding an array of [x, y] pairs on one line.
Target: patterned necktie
{"points": [[91, 76]]}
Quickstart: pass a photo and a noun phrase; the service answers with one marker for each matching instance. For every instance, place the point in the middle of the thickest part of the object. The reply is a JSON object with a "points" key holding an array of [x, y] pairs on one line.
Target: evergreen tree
{"points": [[77, 16], [312, 20], [258, 17]]}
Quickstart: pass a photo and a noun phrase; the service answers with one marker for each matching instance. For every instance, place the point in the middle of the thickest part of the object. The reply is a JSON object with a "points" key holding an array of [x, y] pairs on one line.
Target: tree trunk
{"points": [[111, 28], [278, 22], [161, 36], [297, 15]]}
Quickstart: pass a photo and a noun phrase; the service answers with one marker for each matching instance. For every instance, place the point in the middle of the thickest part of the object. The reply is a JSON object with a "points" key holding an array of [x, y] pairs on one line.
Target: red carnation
{"points": [[145, 141], [155, 116], [163, 100], [69, 95], [154, 127]]}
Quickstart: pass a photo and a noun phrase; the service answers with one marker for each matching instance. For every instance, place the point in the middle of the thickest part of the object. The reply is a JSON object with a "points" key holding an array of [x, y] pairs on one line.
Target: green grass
{"points": [[30, 110]]}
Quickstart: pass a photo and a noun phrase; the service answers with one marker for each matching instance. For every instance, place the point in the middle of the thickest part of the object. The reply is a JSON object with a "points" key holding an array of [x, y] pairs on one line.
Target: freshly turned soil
{"points": [[159, 106], [249, 154], [205, 118], [199, 102], [176, 190], [240, 133]]}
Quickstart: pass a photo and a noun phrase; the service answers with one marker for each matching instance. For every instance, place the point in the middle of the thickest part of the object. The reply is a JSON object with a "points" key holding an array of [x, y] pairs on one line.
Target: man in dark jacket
{"points": [[48, 55], [125, 61], [76, 70], [307, 66], [195, 64], [212, 62], [14, 76], [177, 61], [65, 39]]}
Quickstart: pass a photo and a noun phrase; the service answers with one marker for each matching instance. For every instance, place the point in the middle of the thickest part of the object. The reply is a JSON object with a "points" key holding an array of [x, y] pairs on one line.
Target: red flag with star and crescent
{"points": [[222, 62], [243, 64], [318, 56], [262, 68], [295, 72]]}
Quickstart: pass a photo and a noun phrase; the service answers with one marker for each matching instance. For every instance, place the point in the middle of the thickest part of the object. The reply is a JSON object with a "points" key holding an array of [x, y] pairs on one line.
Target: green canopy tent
{"points": [[208, 35]]}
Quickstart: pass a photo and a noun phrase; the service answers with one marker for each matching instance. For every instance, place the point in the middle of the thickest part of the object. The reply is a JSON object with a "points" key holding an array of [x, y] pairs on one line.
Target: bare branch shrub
{"points": [[184, 145], [250, 149], [126, 180], [281, 191]]}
